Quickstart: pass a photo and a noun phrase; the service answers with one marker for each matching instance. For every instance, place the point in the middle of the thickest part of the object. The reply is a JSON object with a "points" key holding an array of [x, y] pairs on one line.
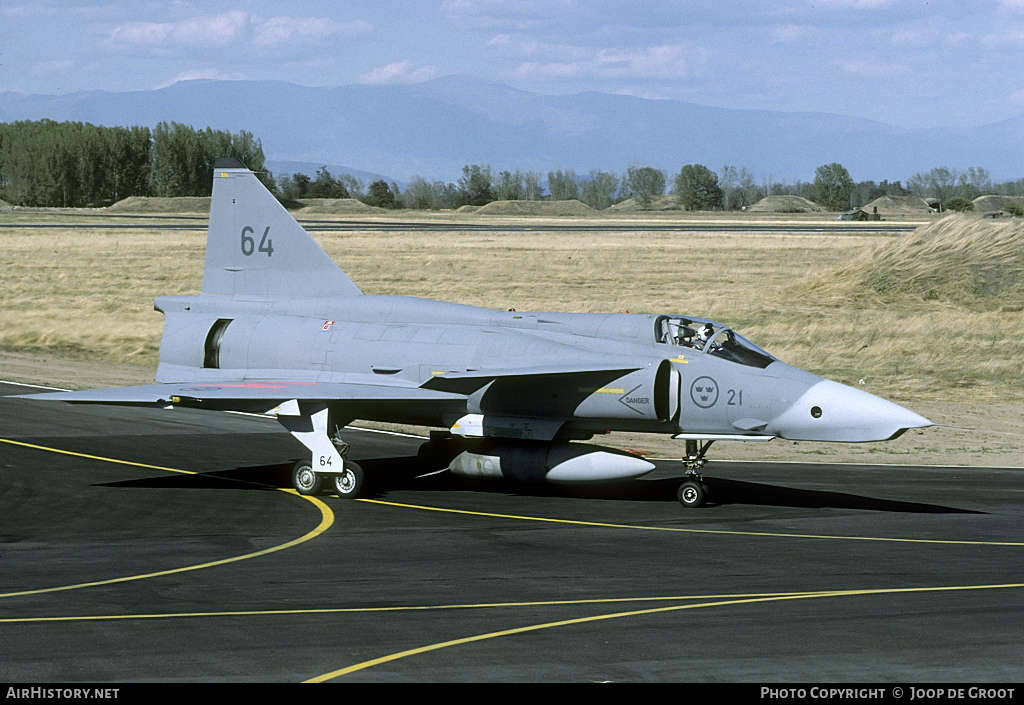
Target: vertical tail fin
{"points": [[255, 248]]}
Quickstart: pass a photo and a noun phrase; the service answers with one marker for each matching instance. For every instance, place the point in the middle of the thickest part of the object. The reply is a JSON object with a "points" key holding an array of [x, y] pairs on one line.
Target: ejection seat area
{"points": [[710, 338]]}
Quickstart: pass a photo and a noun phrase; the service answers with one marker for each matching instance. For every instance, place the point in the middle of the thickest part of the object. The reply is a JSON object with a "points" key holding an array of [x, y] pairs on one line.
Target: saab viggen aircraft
{"points": [[279, 328]]}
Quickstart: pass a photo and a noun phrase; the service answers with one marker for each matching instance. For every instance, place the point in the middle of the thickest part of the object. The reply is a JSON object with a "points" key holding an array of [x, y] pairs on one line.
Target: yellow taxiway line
{"points": [[722, 532], [326, 520], [635, 613]]}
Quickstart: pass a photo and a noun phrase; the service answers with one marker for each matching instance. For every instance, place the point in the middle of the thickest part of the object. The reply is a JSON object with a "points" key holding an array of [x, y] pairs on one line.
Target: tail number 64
{"points": [[249, 242]]}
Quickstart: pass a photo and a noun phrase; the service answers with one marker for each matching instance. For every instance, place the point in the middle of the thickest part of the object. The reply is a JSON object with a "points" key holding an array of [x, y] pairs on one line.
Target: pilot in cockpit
{"points": [[705, 334]]}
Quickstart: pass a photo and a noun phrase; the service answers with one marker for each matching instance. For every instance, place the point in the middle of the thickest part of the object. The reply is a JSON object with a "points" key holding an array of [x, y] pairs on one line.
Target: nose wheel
{"points": [[693, 492]]}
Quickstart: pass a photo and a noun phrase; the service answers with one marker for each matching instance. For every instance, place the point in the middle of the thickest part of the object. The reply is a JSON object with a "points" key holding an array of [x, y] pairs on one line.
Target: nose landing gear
{"points": [[693, 492]]}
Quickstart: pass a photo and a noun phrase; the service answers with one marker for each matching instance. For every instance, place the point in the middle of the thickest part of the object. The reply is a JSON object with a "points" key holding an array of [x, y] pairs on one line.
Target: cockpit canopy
{"points": [[710, 338]]}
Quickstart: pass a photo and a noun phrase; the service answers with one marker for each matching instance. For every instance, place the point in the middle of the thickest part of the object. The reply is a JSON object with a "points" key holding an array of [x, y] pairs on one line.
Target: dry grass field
{"points": [[933, 320]]}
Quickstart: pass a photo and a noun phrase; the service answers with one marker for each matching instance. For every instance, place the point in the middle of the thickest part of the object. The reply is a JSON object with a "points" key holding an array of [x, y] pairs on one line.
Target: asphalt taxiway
{"points": [[152, 545]]}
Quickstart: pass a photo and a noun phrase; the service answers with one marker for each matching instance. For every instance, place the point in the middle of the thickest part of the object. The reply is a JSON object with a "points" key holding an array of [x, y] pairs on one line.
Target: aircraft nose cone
{"points": [[829, 411]]}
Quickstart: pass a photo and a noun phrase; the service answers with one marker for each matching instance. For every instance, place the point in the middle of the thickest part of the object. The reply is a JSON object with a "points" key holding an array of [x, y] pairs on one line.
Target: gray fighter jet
{"points": [[280, 329]]}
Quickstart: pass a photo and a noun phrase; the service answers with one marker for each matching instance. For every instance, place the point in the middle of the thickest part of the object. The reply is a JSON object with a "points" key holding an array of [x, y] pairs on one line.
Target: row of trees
{"points": [[69, 164], [295, 187], [696, 187], [46, 163], [183, 158], [479, 185], [953, 188]]}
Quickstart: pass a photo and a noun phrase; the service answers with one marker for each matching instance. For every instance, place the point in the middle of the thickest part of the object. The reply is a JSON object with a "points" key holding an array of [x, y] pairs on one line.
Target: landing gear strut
{"points": [[329, 462], [347, 483], [693, 491]]}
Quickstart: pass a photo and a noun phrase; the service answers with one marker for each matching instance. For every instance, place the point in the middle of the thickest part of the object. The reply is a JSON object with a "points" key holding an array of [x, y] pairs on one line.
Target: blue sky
{"points": [[907, 63]]}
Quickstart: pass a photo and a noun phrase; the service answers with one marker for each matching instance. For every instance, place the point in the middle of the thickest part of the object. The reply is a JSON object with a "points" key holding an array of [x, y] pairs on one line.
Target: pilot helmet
{"points": [[705, 332]]}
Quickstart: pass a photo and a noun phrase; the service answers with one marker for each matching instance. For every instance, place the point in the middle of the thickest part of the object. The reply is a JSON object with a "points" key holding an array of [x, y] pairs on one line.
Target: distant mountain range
{"points": [[433, 129]]}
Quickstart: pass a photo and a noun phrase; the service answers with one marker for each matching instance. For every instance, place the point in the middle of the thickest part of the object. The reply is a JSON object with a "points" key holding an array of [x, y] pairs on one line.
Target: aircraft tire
{"points": [[692, 494], [304, 480], [349, 484]]}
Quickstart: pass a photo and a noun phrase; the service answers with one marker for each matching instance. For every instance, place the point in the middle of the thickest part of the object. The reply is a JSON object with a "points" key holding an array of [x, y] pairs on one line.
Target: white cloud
{"points": [[231, 29], [1016, 98], [216, 30], [283, 30], [211, 30], [957, 39], [141, 34], [48, 68], [1010, 35], [398, 72], [502, 8], [872, 68], [668, 61], [203, 73], [913, 38], [646, 93], [517, 46], [790, 34], [506, 14], [852, 4]]}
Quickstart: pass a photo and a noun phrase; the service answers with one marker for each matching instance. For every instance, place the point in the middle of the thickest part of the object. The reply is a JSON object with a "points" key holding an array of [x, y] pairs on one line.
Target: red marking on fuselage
{"points": [[261, 385]]}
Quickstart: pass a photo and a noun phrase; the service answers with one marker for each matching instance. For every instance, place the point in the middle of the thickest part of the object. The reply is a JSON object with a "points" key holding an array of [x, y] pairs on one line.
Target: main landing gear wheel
{"points": [[349, 483], [304, 479], [692, 493]]}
